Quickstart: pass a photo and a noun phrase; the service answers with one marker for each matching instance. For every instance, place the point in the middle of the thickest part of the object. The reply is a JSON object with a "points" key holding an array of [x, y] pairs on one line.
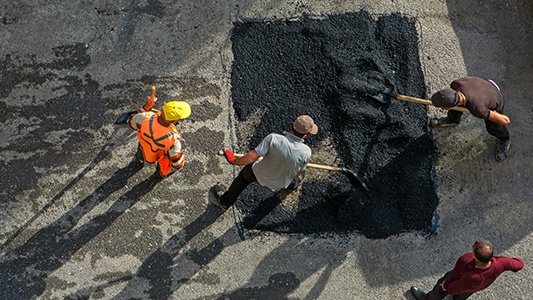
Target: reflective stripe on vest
{"points": [[153, 139], [151, 136]]}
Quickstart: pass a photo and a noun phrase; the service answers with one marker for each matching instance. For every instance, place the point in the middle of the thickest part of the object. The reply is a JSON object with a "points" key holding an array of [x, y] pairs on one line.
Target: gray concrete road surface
{"points": [[77, 221]]}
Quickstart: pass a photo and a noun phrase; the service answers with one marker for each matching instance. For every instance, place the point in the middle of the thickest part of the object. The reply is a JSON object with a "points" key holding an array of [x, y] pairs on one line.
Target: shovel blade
{"points": [[124, 117], [383, 97], [355, 180]]}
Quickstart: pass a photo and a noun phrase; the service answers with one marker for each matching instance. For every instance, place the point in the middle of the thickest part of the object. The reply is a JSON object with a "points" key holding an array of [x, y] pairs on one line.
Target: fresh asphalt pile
{"points": [[328, 68]]}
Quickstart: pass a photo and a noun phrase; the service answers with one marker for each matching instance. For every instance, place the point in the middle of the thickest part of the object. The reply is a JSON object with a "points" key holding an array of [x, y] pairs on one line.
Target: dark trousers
{"points": [[494, 129], [437, 293], [245, 177]]}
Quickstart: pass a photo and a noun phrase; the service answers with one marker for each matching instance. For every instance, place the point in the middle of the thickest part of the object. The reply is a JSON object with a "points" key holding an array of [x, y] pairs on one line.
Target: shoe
{"points": [[442, 122], [139, 163], [219, 192], [503, 148], [158, 175], [418, 293], [138, 158]]}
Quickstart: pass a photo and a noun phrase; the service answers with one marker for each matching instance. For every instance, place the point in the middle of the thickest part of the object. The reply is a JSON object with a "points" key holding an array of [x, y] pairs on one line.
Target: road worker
{"points": [[483, 99], [159, 139], [285, 158]]}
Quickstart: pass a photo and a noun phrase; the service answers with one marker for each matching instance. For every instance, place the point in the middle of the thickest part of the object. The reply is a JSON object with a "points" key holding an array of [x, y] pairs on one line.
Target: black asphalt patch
{"points": [[328, 68]]}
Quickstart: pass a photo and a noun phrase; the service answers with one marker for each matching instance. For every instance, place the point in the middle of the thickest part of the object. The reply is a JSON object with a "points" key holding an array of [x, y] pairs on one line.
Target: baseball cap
{"points": [[176, 110], [304, 124], [445, 98]]}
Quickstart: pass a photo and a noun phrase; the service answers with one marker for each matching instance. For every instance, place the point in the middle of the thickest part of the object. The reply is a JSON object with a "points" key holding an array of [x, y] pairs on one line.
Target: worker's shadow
{"points": [[278, 287], [118, 136], [50, 247], [167, 269]]}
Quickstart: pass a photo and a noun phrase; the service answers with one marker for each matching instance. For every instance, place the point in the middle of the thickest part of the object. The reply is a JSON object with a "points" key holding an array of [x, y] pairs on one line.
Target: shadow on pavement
{"points": [[164, 274], [26, 267], [297, 262], [278, 287], [98, 158], [335, 206], [167, 269]]}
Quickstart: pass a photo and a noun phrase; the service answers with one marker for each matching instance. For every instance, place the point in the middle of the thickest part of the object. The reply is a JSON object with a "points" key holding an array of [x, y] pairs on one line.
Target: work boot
{"points": [[219, 192], [139, 158], [442, 122], [157, 174], [503, 148], [418, 293]]}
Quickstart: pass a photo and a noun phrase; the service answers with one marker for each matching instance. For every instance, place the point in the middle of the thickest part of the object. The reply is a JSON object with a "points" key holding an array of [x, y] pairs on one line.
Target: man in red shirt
{"points": [[472, 273]]}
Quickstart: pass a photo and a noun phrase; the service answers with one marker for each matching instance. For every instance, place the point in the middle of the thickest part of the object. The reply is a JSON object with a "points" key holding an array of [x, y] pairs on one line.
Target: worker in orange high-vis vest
{"points": [[159, 139]]}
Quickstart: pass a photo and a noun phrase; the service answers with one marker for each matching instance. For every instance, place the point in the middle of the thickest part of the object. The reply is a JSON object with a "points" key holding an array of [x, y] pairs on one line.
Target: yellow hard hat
{"points": [[176, 110]]}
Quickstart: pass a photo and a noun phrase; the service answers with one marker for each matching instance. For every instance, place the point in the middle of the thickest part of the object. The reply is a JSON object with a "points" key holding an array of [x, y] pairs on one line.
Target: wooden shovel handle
{"points": [[310, 165], [323, 167], [423, 101], [153, 92]]}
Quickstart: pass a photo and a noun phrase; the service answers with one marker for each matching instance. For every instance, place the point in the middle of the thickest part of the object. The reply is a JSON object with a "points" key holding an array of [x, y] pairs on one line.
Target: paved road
{"points": [[77, 221]]}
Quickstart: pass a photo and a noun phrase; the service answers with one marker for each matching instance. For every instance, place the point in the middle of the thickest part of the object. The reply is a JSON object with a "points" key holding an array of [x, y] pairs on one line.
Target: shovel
{"points": [[352, 176], [384, 96]]}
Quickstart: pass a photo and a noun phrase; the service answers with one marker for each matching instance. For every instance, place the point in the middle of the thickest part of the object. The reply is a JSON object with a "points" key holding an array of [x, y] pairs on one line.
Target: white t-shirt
{"points": [[283, 157]]}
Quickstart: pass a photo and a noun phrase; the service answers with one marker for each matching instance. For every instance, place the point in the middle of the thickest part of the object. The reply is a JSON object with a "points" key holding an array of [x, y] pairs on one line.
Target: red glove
{"points": [[230, 157]]}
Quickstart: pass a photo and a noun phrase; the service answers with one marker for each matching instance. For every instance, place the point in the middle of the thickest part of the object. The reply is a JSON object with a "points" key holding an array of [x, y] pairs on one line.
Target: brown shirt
{"points": [[482, 96]]}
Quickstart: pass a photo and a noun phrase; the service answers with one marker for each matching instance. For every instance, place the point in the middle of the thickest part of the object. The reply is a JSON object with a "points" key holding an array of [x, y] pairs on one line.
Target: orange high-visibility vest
{"points": [[156, 139]]}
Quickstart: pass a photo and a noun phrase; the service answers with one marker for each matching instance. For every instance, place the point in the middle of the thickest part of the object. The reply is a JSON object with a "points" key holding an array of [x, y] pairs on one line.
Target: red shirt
{"points": [[467, 279]]}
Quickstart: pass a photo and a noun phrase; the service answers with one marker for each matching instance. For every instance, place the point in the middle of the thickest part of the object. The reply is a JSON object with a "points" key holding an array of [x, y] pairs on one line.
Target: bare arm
{"points": [[499, 118], [247, 159]]}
